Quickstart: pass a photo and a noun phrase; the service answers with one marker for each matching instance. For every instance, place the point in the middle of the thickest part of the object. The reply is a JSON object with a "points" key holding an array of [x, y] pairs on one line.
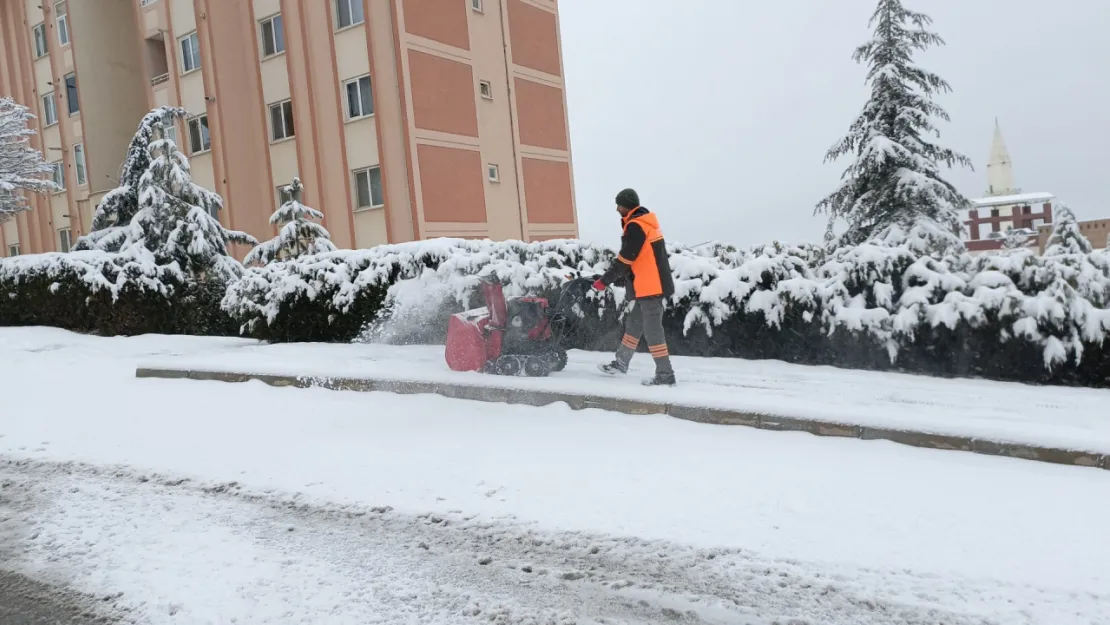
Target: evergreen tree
{"points": [[1066, 238], [298, 234], [22, 167], [895, 180], [114, 213], [176, 221], [1015, 239]]}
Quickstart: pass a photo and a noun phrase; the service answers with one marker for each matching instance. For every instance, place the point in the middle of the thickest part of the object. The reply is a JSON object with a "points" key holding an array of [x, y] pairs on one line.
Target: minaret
{"points": [[1000, 169]]}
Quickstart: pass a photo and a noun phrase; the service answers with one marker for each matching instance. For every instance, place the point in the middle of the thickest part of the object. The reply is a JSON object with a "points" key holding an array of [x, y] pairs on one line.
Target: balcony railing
{"points": [[161, 78]]}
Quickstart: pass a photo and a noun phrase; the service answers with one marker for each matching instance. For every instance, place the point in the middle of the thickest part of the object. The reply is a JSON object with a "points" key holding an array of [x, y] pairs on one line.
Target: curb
{"points": [[710, 416]]}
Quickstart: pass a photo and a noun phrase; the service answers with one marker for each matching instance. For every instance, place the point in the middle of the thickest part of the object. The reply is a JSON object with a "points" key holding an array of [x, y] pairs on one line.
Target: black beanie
{"points": [[628, 199]]}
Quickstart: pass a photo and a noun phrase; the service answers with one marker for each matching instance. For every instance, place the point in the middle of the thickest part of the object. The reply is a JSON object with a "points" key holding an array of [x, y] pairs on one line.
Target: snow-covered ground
{"points": [[1070, 418], [377, 508]]}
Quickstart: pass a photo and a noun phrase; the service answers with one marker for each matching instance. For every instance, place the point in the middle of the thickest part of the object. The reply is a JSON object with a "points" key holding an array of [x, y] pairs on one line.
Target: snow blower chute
{"points": [[514, 336]]}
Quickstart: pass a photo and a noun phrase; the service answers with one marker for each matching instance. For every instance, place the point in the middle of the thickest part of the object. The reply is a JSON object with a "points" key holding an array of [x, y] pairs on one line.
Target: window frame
{"points": [[282, 196], [369, 187], [68, 240], [200, 135], [58, 176], [49, 105], [485, 89], [80, 165], [38, 35], [339, 25], [73, 95], [493, 172], [13, 250], [476, 6], [61, 22], [357, 81], [192, 57], [269, 21], [172, 129], [288, 125]]}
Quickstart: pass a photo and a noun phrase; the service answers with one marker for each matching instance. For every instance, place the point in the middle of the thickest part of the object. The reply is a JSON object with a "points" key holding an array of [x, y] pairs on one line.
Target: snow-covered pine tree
{"points": [[176, 221], [22, 167], [895, 181], [1066, 237], [298, 234], [1016, 239], [114, 213]]}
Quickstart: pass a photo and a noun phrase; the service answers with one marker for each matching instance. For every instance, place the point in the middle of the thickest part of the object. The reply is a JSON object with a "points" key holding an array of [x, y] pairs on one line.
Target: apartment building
{"points": [[405, 119]]}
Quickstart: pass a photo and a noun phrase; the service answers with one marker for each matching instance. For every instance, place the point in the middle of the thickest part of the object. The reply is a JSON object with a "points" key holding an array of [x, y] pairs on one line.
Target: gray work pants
{"points": [[645, 320]]}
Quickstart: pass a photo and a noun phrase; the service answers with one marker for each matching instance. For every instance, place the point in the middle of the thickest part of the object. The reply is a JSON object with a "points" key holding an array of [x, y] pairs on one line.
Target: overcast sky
{"points": [[719, 112]]}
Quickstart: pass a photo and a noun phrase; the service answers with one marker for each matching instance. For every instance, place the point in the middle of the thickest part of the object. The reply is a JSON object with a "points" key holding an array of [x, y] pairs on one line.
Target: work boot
{"points": [[661, 379], [614, 368]]}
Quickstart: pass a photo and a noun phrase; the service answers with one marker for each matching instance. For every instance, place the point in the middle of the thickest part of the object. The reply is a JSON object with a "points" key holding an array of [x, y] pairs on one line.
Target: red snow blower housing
{"points": [[515, 336]]}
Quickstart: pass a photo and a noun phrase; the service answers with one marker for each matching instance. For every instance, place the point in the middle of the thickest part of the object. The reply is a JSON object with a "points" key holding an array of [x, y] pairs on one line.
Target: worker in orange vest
{"points": [[643, 267]]}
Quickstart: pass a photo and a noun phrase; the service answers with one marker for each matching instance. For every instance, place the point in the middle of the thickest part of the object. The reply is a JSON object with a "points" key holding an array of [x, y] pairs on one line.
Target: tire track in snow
{"points": [[183, 552]]}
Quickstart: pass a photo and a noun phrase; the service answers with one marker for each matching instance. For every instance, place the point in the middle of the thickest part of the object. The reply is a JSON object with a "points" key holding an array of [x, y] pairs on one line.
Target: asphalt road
{"points": [[26, 602]]}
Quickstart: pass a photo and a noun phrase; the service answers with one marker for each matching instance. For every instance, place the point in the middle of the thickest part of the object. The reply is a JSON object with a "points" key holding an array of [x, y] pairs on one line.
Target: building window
{"points": [[61, 18], [49, 109], [40, 40], [13, 250], [360, 99], [79, 164], [281, 120], [368, 188], [59, 176], [170, 134], [494, 173], [200, 140], [283, 195], [348, 12], [476, 5], [73, 103], [190, 53], [485, 89], [273, 36], [64, 240]]}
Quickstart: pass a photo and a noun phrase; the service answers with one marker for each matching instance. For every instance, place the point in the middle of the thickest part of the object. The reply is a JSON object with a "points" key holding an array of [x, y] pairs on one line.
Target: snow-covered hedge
{"points": [[109, 294], [883, 304]]}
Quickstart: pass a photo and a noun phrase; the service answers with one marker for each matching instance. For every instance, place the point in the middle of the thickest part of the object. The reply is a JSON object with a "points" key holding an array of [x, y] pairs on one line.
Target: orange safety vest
{"points": [[646, 280]]}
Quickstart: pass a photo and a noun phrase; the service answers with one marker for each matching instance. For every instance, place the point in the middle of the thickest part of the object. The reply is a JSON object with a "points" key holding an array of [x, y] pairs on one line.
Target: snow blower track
{"points": [[716, 416]]}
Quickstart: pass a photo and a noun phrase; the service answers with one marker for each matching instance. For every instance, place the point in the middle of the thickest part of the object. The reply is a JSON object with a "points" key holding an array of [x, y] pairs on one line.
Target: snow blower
{"points": [[514, 336]]}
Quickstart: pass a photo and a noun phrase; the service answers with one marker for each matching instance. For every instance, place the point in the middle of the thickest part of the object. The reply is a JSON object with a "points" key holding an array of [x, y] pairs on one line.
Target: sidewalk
{"points": [[996, 418]]}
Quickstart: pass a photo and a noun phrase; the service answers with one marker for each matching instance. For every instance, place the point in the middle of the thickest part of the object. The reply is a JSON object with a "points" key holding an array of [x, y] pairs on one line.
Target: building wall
{"points": [[1096, 231], [434, 135]]}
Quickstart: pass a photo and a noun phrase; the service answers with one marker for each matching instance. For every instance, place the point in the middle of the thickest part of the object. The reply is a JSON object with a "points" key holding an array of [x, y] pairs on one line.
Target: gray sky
{"points": [[719, 112]]}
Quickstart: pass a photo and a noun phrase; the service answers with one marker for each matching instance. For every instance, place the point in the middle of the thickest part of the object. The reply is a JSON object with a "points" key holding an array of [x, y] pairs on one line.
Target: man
{"points": [[643, 267]]}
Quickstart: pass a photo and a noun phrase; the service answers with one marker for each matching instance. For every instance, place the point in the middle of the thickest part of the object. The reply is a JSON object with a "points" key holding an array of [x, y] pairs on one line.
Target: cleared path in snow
{"points": [[172, 551]]}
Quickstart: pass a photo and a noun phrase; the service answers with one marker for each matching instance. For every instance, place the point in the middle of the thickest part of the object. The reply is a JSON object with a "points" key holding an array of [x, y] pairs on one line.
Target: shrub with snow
{"points": [[884, 304], [108, 294], [298, 234]]}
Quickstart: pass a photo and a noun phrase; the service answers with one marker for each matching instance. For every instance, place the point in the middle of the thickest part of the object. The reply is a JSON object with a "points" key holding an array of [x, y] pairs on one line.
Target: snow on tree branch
{"points": [[115, 211], [176, 220], [895, 180], [298, 234], [22, 167]]}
